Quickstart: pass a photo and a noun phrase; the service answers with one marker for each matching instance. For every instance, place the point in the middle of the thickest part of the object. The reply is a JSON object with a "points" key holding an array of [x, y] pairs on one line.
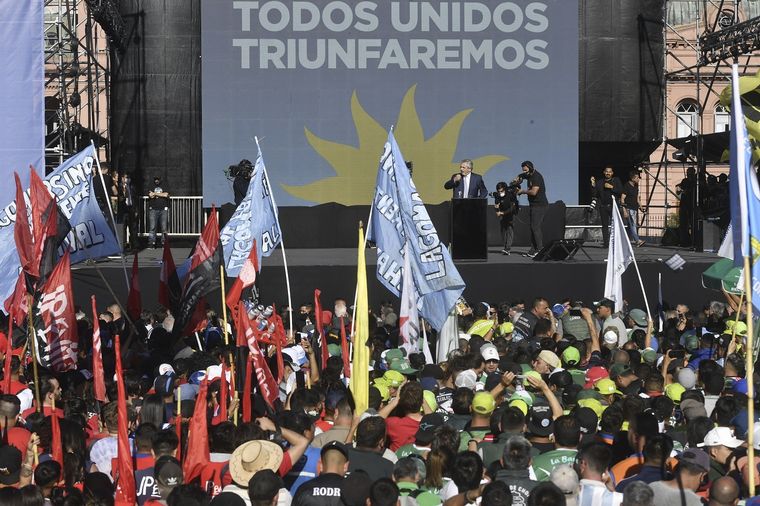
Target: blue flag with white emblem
{"points": [[744, 191], [254, 218], [72, 185], [399, 219]]}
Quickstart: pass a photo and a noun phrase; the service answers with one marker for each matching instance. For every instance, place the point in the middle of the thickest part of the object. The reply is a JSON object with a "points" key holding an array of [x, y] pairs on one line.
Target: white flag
{"points": [[726, 249], [448, 336], [409, 321], [619, 257]]}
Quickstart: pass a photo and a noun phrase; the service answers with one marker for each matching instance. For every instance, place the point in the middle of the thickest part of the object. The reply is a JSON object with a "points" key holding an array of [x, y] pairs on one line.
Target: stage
{"points": [[500, 278]]}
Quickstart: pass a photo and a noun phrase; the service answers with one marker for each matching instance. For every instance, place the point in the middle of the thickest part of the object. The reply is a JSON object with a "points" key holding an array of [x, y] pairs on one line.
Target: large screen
{"points": [[320, 82]]}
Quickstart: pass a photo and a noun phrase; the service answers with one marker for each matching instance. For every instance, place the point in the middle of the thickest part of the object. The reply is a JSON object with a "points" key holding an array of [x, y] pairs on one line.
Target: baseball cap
{"points": [[558, 310], [687, 378], [692, 408], [165, 369], [610, 336], [428, 383], [571, 356], [523, 396], [298, 354], [483, 403], [402, 365], [740, 387], [587, 419], [392, 354], [466, 379], [10, 465], [606, 303], [606, 386], [696, 457], [334, 445], [592, 404], [519, 404], [649, 356], [489, 352], [429, 397], [393, 378], [620, 370], [334, 350], [168, 471], [639, 317], [594, 374], [675, 391], [570, 394], [721, 436], [550, 358], [507, 328], [540, 421], [588, 393], [426, 431], [566, 479], [186, 392]]}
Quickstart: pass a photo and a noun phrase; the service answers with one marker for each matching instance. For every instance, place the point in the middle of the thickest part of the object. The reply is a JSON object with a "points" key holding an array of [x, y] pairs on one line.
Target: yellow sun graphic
{"points": [[356, 167]]}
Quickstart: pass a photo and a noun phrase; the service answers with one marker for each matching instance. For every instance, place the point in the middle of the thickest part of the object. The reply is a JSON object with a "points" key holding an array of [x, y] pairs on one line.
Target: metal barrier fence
{"points": [[186, 217]]}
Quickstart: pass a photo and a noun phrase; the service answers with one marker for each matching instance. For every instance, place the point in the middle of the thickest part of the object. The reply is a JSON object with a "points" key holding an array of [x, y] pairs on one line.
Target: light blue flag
{"points": [[91, 236], [744, 191], [399, 218], [255, 217]]}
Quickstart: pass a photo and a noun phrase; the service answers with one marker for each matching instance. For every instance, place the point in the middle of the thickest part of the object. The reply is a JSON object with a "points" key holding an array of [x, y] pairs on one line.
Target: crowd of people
{"points": [[536, 404]]}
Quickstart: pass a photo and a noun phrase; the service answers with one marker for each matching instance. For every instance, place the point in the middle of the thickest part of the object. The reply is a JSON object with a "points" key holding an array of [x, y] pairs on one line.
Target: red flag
{"points": [[134, 303], [267, 384], [246, 278], [44, 224], [197, 454], [169, 290], [124, 477], [56, 311], [99, 385], [320, 328], [203, 276], [223, 392], [344, 350], [22, 234], [17, 305], [56, 447], [8, 358], [247, 390]]}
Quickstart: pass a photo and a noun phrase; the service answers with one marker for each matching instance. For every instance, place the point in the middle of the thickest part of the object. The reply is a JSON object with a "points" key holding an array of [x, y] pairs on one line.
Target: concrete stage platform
{"points": [[500, 278]]}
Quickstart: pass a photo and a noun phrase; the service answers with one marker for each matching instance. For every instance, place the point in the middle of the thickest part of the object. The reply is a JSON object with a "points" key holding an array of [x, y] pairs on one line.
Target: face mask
{"points": [[502, 194]]}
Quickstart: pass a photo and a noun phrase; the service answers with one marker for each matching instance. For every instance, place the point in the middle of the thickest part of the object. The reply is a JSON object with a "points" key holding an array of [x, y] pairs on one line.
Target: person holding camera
{"points": [[466, 184], [242, 173], [506, 209], [536, 192], [605, 191]]}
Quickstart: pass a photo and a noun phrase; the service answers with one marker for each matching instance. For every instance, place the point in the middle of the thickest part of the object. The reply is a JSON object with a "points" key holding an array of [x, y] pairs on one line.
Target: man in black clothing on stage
{"points": [[506, 208], [604, 191], [324, 490], [536, 192]]}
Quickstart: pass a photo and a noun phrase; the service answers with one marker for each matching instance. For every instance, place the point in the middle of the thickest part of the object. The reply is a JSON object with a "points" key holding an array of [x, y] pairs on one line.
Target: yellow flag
{"points": [[360, 363]]}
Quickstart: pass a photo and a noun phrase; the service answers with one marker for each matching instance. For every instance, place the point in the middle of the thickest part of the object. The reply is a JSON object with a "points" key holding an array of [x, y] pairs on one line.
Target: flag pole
{"points": [[30, 331], [633, 257], [110, 211], [356, 290], [750, 370], [226, 335], [282, 240]]}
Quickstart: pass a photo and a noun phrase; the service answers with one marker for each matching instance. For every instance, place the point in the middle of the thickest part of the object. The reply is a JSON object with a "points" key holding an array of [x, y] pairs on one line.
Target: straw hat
{"points": [[253, 456]]}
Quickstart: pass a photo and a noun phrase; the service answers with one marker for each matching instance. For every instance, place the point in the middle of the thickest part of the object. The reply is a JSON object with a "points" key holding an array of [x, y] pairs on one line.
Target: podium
{"points": [[469, 238]]}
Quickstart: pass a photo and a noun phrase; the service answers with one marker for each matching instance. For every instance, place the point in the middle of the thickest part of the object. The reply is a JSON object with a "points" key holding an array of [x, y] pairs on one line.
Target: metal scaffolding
{"points": [[76, 80], [685, 63]]}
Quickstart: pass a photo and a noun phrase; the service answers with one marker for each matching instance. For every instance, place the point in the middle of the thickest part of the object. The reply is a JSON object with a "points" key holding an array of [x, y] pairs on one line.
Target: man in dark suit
{"points": [[466, 184]]}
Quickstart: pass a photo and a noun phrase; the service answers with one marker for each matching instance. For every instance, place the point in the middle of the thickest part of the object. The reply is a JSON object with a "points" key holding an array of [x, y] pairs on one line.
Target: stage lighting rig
{"points": [[732, 42], [106, 14]]}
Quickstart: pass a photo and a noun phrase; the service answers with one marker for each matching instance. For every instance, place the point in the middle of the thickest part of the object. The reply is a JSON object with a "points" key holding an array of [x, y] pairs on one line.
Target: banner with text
{"points": [[91, 236], [493, 81]]}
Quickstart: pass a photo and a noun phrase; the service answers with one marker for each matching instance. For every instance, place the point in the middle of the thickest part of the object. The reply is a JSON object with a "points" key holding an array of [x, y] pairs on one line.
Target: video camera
{"points": [[242, 169]]}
